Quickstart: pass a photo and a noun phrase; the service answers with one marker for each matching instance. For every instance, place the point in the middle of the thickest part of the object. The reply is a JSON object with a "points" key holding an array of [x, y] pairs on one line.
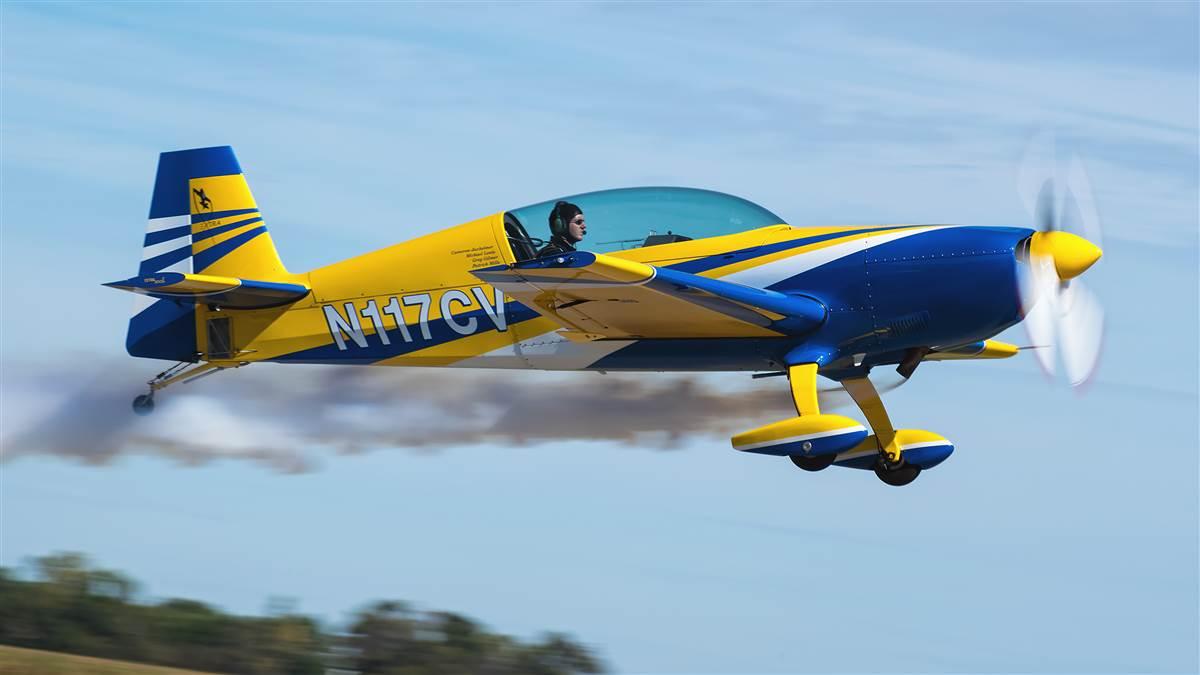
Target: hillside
{"points": [[17, 661]]}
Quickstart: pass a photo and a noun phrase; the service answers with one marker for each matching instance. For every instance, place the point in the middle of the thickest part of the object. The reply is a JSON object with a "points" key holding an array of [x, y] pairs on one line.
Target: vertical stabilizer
{"points": [[203, 220]]}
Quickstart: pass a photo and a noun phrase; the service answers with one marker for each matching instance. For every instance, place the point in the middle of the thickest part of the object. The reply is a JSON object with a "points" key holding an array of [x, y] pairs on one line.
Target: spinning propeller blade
{"points": [[1037, 295], [1060, 312], [1081, 332], [1047, 211]]}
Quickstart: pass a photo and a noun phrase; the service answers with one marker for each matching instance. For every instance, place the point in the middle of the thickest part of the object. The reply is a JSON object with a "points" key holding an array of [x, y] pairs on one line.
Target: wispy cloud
{"points": [[438, 116]]}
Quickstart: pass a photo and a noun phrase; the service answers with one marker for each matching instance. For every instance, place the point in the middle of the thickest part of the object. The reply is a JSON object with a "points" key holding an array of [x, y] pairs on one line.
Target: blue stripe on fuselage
{"points": [[711, 354], [722, 259]]}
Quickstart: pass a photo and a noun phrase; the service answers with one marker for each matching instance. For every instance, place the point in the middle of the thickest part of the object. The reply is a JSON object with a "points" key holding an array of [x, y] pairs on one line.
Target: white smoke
{"points": [[291, 418]]}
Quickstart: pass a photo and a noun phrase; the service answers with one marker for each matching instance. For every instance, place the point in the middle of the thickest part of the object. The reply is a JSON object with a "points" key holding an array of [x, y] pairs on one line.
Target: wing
{"points": [[604, 297]]}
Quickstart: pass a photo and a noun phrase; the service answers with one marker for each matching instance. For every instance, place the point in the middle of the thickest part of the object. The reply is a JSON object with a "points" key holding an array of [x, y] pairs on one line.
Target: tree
{"points": [[72, 606]]}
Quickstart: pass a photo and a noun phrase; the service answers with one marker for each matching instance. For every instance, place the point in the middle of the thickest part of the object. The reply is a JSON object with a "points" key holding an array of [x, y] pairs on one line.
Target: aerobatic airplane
{"points": [[684, 280]]}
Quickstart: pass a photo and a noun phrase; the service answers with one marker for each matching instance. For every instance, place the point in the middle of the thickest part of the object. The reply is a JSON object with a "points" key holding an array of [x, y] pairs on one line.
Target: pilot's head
{"points": [[566, 221]]}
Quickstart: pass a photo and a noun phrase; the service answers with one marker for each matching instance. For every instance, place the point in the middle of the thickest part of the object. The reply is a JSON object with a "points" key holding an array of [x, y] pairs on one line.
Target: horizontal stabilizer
{"points": [[227, 292], [605, 297]]}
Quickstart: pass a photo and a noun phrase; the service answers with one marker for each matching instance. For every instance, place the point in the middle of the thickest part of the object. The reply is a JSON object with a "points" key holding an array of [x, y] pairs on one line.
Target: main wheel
{"points": [[144, 404], [899, 475], [812, 463]]}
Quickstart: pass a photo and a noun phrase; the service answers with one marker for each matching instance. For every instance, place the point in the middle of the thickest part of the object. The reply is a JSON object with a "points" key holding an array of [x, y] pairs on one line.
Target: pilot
{"points": [[567, 228]]}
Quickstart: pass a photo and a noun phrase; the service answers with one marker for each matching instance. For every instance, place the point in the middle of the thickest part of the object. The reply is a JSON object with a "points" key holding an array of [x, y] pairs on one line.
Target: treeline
{"points": [[70, 606]]}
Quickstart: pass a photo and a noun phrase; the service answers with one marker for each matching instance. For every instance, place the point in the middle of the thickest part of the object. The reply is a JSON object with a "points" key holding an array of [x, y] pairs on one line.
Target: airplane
{"points": [[685, 280]]}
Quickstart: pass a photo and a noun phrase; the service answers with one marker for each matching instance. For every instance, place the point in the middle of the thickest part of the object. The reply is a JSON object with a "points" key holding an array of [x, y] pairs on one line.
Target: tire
{"points": [[812, 463], [143, 404], [897, 476]]}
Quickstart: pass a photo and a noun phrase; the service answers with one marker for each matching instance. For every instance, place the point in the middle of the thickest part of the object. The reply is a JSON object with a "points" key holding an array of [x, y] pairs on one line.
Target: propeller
{"points": [[1062, 316]]}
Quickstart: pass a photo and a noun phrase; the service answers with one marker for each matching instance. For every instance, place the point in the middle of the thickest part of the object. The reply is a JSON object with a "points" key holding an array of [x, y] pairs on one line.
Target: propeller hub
{"points": [[1072, 254]]}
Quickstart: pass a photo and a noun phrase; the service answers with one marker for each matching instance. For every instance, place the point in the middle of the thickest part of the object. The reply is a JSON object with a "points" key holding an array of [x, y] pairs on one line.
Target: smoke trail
{"points": [[288, 418]]}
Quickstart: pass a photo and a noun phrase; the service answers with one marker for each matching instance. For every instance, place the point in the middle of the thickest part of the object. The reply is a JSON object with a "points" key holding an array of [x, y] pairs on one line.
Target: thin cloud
{"points": [[754, 121]]}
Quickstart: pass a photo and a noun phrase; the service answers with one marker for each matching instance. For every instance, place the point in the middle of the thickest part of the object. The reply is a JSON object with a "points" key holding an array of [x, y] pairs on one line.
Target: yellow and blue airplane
{"points": [[687, 280]]}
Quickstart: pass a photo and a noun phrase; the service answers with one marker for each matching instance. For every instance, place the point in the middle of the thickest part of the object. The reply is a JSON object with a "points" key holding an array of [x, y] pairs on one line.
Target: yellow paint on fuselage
{"points": [[432, 264], [437, 261], [441, 262]]}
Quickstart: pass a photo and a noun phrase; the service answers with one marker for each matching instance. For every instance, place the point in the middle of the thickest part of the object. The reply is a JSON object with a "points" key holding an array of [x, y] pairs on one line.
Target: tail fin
{"points": [[203, 219]]}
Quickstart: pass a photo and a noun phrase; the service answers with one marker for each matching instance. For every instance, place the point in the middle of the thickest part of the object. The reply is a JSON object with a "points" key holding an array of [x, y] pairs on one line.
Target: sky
{"points": [[1060, 537]]}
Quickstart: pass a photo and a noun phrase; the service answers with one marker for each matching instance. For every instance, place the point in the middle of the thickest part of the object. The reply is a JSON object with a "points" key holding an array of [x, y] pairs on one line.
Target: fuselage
{"points": [[670, 279], [885, 288]]}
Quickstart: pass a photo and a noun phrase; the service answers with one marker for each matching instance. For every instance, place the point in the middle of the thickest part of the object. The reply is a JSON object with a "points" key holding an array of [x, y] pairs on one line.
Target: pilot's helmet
{"points": [[561, 216]]}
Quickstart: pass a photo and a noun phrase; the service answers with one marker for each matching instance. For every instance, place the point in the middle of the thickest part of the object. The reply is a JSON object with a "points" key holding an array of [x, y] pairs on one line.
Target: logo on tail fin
{"points": [[203, 203]]}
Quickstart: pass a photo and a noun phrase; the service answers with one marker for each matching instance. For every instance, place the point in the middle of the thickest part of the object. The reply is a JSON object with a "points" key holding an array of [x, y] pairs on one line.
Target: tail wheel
{"points": [[812, 463], [144, 404], [897, 475]]}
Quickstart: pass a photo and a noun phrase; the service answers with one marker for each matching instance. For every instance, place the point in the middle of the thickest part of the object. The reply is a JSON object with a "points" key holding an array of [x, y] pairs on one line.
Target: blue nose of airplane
{"points": [[947, 286]]}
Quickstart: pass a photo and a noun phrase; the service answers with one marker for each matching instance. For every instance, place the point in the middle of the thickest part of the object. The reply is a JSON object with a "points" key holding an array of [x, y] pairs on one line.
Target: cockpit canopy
{"points": [[628, 218]]}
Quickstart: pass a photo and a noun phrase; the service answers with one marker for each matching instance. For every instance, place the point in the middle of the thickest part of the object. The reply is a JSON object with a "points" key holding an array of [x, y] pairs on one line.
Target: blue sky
{"points": [[1062, 536]]}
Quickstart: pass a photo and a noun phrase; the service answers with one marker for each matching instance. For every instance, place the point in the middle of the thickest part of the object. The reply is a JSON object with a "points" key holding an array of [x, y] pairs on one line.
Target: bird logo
{"points": [[203, 203]]}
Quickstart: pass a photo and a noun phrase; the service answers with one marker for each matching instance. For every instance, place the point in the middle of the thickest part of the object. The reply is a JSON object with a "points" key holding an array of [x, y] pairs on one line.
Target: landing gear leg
{"points": [[890, 467], [183, 371], [803, 381], [809, 435]]}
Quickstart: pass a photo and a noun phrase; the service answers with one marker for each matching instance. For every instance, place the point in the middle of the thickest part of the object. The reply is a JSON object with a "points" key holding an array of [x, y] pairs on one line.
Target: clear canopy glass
{"points": [[633, 217]]}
